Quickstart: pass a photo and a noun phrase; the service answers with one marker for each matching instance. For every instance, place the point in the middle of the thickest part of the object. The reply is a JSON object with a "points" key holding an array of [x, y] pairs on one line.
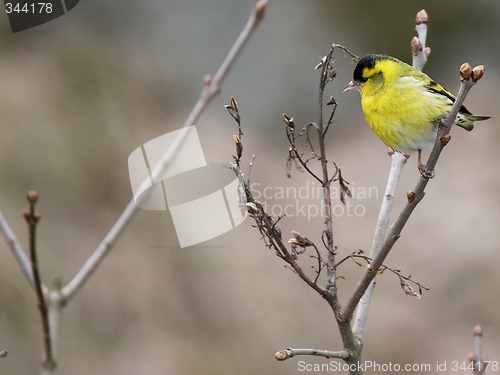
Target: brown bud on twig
{"points": [[331, 101], [252, 208], [320, 64], [289, 121], [281, 355], [416, 46], [260, 9], [32, 196], [471, 357], [477, 73], [445, 139], [239, 146], [299, 240], [465, 71], [3, 353], [421, 17], [427, 51], [410, 195], [207, 79], [477, 330], [232, 108], [27, 216]]}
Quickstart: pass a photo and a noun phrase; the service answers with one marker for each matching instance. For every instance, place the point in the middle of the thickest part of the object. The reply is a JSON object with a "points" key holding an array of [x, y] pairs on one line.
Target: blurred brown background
{"points": [[79, 94]]}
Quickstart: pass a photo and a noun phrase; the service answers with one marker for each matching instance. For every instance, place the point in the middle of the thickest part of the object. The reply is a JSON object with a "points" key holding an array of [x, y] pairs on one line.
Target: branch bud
{"points": [[281, 355], [427, 51], [320, 64], [299, 240], [233, 110], [410, 195], [252, 208], [239, 146], [331, 101], [207, 79], [260, 9], [416, 46], [32, 197], [445, 139], [477, 330], [471, 357], [465, 71], [289, 121], [477, 73], [27, 216], [421, 17]]}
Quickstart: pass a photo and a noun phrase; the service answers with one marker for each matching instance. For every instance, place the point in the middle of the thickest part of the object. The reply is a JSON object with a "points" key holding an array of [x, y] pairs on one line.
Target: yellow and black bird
{"points": [[402, 105]]}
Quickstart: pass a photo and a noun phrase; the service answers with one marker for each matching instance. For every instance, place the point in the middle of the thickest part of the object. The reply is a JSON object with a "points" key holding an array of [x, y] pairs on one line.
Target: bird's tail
{"points": [[467, 121]]}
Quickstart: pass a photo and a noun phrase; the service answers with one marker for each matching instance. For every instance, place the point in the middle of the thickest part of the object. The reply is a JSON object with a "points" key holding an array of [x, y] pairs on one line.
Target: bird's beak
{"points": [[351, 85]]}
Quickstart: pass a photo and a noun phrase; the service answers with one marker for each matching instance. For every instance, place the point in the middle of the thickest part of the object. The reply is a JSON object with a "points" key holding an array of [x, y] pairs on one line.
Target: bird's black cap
{"points": [[367, 61]]}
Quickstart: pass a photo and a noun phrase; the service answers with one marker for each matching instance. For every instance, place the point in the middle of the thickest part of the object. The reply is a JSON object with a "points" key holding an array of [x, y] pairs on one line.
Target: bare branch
{"points": [[211, 88], [398, 162], [272, 237], [477, 359], [327, 74], [32, 218], [283, 355], [406, 282]]}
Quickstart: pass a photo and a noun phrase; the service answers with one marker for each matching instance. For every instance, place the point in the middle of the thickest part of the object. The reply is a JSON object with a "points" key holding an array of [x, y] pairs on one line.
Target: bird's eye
{"points": [[373, 75]]}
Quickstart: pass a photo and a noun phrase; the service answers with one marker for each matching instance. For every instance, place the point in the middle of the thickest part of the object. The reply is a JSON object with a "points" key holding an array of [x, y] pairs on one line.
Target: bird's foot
{"points": [[424, 172]]}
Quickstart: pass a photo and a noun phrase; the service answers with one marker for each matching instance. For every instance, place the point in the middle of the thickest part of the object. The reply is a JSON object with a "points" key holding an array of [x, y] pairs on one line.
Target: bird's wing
{"points": [[436, 88]]}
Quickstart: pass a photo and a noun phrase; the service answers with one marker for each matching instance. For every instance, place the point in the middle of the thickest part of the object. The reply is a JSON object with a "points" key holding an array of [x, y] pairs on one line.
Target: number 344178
{"points": [[33, 8]]}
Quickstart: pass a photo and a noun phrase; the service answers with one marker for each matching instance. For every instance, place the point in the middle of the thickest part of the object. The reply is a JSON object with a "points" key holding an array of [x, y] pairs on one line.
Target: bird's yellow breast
{"points": [[399, 109]]}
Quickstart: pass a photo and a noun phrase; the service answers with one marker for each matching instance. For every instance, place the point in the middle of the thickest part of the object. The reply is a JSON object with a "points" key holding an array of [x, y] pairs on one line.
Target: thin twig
{"points": [[350, 342], [405, 281], [294, 155], [283, 355], [478, 362], [271, 233], [326, 76], [32, 218]]}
